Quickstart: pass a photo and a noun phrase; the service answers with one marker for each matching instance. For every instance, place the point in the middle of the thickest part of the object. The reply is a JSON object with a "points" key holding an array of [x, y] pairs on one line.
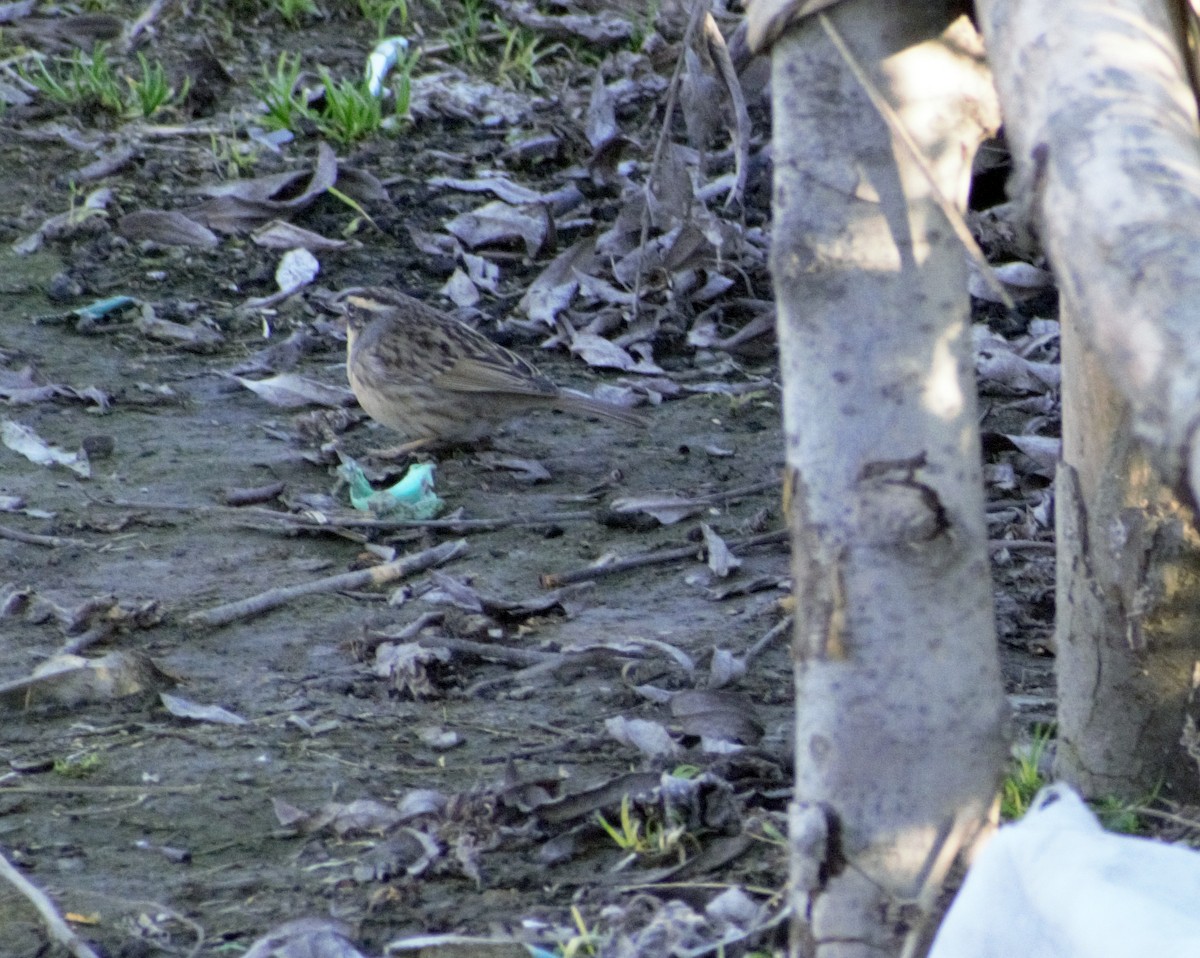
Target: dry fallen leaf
{"points": [[166, 229], [719, 558], [499, 223], [23, 440], [666, 509], [279, 234], [292, 391], [555, 287], [184, 708], [196, 337], [649, 738], [305, 938]]}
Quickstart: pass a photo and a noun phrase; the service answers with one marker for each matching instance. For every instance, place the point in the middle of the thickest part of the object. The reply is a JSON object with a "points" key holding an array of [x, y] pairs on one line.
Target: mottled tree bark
{"points": [[1128, 598], [900, 710], [1102, 122]]}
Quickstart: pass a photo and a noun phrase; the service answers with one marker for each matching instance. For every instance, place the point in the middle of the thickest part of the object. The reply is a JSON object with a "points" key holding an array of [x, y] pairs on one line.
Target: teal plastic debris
{"points": [[98, 310], [411, 498]]}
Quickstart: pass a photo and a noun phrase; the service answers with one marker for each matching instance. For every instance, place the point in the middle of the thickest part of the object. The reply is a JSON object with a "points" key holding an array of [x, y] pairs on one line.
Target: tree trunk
{"points": [[1102, 123], [1128, 598], [899, 702]]}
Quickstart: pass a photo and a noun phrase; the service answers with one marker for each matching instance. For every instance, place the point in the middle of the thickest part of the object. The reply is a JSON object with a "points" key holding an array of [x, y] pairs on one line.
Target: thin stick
{"points": [[349, 522], [689, 34], [149, 15], [504, 654], [346, 581], [719, 51], [32, 539], [101, 631], [452, 525], [1020, 545], [58, 929], [778, 629], [552, 580], [900, 131], [109, 791]]}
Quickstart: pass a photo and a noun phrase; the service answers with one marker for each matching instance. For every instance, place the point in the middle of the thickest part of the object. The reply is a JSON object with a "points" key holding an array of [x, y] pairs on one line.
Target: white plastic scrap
{"points": [[381, 61], [1056, 885]]}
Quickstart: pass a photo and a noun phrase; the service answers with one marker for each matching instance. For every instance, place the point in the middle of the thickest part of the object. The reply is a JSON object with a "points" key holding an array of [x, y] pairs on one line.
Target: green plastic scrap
{"points": [[411, 498]]}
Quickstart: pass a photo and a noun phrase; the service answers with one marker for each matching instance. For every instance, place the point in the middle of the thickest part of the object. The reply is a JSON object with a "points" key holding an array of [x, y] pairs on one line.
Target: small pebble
{"points": [[62, 288], [98, 447]]}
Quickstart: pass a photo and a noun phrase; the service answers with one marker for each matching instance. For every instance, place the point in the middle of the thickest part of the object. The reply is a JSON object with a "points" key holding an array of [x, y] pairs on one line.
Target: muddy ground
{"points": [[163, 834]]}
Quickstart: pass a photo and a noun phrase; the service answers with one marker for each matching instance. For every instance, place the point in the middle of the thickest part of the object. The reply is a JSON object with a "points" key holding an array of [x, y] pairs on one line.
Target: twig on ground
{"points": [[148, 16], [332, 523], [1020, 545], [377, 575], [733, 87], [30, 538], [506, 655], [56, 927], [778, 629], [656, 163], [552, 580], [99, 632], [539, 670], [409, 632], [254, 496], [108, 791]]}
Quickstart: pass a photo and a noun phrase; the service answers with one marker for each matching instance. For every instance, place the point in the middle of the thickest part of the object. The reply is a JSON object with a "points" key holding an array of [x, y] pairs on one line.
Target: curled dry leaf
{"points": [[1020, 280], [24, 441], [1045, 451], [717, 716], [666, 509], [306, 938], [500, 186], [421, 801], [719, 558], [725, 669], [449, 590], [649, 738], [460, 290], [240, 205], [187, 709], [279, 234], [292, 391], [998, 364], [297, 268], [555, 287], [166, 228], [408, 851], [601, 353], [499, 223], [365, 816], [195, 338]]}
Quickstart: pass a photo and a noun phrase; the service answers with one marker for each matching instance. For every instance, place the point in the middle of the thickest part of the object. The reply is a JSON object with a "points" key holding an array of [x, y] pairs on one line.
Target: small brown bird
{"points": [[432, 378]]}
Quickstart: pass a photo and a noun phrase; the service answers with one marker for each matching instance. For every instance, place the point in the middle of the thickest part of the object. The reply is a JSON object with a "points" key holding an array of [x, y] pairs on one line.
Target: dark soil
{"points": [[159, 833]]}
